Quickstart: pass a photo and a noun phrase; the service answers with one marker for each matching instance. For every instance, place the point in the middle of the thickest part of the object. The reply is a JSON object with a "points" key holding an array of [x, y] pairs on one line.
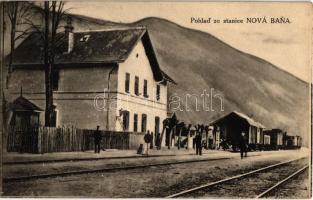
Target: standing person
{"points": [[97, 139], [147, 138], [243, 145], [198, 141], [151, 143], [158, 141]]}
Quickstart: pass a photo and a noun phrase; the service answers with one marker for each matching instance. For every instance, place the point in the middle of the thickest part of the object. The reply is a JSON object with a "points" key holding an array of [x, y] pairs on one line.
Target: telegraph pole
{"points": [[1, 90]]}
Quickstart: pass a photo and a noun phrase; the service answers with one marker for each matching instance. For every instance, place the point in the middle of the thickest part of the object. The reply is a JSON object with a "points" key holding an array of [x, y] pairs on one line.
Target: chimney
{"points": [[68, 29]]}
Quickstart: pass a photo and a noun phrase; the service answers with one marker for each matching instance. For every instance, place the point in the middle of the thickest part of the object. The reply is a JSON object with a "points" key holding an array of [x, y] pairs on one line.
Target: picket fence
{"points": [[67, 139]]}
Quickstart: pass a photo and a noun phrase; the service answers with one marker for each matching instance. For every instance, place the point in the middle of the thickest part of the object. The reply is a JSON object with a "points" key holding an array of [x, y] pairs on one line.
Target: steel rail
{"points": [[281, 182], [230, 178], [104, 170]]}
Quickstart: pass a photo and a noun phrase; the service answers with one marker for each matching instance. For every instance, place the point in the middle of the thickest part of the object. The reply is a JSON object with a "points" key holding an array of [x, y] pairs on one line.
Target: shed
{"points": [[25, 113], [229, 128]]}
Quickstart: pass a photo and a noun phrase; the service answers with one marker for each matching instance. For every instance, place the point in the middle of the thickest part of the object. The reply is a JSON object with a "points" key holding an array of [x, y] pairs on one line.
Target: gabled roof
{"points": [[243, 116], [106, 46], [90, 47], [168, 78], [23, 104]]}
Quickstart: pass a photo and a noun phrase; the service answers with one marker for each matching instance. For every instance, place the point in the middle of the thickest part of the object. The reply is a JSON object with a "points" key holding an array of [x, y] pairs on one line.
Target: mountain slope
{"points": [[198, 61]]}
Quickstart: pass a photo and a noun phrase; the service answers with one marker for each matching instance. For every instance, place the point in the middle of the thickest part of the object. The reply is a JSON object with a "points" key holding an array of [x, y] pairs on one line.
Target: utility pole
{"points": [[1, 90], [47, 66]]}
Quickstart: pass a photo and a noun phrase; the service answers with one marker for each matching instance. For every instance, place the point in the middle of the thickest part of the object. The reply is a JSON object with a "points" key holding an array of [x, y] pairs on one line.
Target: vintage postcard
{"points": [[147, 99]]}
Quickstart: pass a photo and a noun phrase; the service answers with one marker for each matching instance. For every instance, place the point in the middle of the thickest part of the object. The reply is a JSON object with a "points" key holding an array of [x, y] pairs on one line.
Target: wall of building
{"points": [[138, 64], [75, 98], [31, 80], [78, 87]]}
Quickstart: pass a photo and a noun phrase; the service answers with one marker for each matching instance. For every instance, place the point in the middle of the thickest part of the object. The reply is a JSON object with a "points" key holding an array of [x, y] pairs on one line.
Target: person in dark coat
{"points": [[198, 143], [151, 143], [97, 138], [243, 145], [158, 141]]}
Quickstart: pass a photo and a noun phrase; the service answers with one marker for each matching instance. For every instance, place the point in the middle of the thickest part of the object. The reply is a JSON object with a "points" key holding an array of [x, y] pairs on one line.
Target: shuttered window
{"points": [[137, 85], [158, 90], [127, 80], [144, 123], [135, 122], [145, 88]]}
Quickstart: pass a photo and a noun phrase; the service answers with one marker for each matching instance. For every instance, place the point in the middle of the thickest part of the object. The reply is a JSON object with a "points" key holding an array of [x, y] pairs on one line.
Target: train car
{"points": [[266, 142], [276, 139], [227, 131], [293, 142]]}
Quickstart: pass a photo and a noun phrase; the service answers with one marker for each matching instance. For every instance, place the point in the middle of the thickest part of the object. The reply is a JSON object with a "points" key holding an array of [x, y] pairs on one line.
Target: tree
{"points": [[52, 13], [56, 12], [18, 13]]}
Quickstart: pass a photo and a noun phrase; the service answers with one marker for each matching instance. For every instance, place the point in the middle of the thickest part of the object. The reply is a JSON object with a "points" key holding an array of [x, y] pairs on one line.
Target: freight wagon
{"points": [[292, 142], [276, 141]]}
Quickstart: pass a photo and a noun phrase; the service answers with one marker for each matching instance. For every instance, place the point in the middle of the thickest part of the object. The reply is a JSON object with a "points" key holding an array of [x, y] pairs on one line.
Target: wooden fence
{"points": [[67, 139], [22, 139]]}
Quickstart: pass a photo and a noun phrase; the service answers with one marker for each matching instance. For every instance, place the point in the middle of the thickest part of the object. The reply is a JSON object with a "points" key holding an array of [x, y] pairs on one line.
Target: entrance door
{"points": [[157, 125]]}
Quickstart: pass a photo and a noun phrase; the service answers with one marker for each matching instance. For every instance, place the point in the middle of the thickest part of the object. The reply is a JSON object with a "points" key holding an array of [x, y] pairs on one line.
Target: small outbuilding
{"points": [[23, 126], [24, 113], [227, 130]]}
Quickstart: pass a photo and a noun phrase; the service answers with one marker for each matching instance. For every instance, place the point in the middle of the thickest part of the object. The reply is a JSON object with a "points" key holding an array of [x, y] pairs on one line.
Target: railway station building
{"points": [[111, 78]]}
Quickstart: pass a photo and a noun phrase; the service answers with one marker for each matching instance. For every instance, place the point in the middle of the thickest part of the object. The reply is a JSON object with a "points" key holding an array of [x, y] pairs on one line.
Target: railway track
{"points": [[217, 186], [103, 170], [265, 193]]}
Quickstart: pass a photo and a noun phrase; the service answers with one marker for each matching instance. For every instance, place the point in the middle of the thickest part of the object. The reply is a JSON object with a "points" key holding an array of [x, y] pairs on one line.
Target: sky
{"points": [[285, 45]]}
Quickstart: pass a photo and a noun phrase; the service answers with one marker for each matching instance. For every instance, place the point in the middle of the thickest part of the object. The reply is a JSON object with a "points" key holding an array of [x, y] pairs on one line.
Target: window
{"points": [[157, 125], [127, 79], [144, 123], [258, 137], [279, 139], [85, 38], [125, 120], [267, 139], [252, 135], [145, 88], [137, 85], [55, 79], [54, 117], [158, 89], [135, 122], [34, 120]]}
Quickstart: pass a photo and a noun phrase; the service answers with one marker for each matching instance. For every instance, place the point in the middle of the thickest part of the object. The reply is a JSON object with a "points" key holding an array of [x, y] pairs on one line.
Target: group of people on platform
{"points": [[149, 138], [156, 141], [242, 144]]}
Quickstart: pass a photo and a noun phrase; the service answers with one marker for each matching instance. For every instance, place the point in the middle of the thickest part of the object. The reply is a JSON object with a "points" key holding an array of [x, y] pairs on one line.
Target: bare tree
{"points": [[53, 14], [18, 13]]}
